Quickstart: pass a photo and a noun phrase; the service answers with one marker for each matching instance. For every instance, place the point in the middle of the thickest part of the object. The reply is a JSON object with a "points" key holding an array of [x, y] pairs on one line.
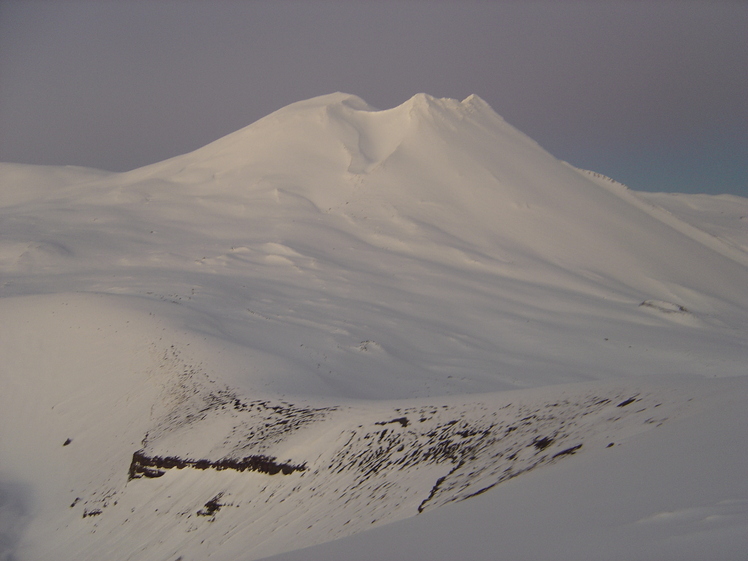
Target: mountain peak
{"points": [[338, 126], [327, 100], [418, 101], [223, 355]]}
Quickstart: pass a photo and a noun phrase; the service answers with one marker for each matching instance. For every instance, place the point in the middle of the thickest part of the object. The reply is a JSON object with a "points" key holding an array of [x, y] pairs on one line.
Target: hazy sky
{"points": [[651, 93]]}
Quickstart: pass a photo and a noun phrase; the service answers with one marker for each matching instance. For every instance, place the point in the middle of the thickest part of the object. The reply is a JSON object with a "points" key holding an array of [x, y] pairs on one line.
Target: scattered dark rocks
{"points": [[211, 507], [665, 307], [477, 448], [153, 466], [542, 443], [568, 451], [404, 422], [67, 442]]}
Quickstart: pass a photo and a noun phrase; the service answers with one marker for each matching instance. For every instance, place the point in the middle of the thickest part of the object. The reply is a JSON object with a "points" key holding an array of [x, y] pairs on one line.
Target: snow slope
{"points": [[339, 317], [675, 493]]}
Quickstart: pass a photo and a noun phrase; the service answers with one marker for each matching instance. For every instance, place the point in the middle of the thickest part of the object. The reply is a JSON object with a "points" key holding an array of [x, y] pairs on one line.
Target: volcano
{"points": [[340, 318]]}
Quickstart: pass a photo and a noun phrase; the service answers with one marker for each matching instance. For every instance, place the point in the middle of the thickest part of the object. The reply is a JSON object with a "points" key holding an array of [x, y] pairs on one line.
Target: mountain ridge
{"points": [[459, 204], [340, 317]]}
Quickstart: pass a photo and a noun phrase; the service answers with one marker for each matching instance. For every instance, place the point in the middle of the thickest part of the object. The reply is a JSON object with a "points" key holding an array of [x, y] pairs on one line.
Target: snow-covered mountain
{"points": [[339, 317]]}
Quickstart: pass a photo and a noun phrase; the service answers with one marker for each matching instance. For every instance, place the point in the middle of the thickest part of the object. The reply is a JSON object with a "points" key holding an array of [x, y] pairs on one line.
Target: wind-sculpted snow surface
{"points": [[281, 476], [339, 317]]}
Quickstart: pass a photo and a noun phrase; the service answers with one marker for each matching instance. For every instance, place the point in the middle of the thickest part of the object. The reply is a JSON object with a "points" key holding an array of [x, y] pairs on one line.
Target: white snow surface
{"points": [[339, 318]]}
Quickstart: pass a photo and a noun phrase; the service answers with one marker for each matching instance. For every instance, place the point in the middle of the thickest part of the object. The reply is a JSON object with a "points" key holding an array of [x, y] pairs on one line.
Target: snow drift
{"points": [[335, 318]]}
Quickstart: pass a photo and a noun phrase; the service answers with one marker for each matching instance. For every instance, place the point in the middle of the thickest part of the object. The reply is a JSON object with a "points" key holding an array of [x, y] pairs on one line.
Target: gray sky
{"points": [[651, 93]]}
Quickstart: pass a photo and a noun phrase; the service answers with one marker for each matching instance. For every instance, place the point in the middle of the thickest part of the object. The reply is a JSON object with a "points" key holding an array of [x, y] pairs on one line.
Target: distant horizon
{"points": [[647, 93]]}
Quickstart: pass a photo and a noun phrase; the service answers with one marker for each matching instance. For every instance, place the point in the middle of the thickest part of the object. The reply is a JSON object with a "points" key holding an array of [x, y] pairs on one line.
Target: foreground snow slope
{"points": [[678, 492], [340, 317]]}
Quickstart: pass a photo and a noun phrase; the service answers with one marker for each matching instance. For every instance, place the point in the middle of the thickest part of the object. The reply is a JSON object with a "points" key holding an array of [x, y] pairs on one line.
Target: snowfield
{"points": [[340, 322]]}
